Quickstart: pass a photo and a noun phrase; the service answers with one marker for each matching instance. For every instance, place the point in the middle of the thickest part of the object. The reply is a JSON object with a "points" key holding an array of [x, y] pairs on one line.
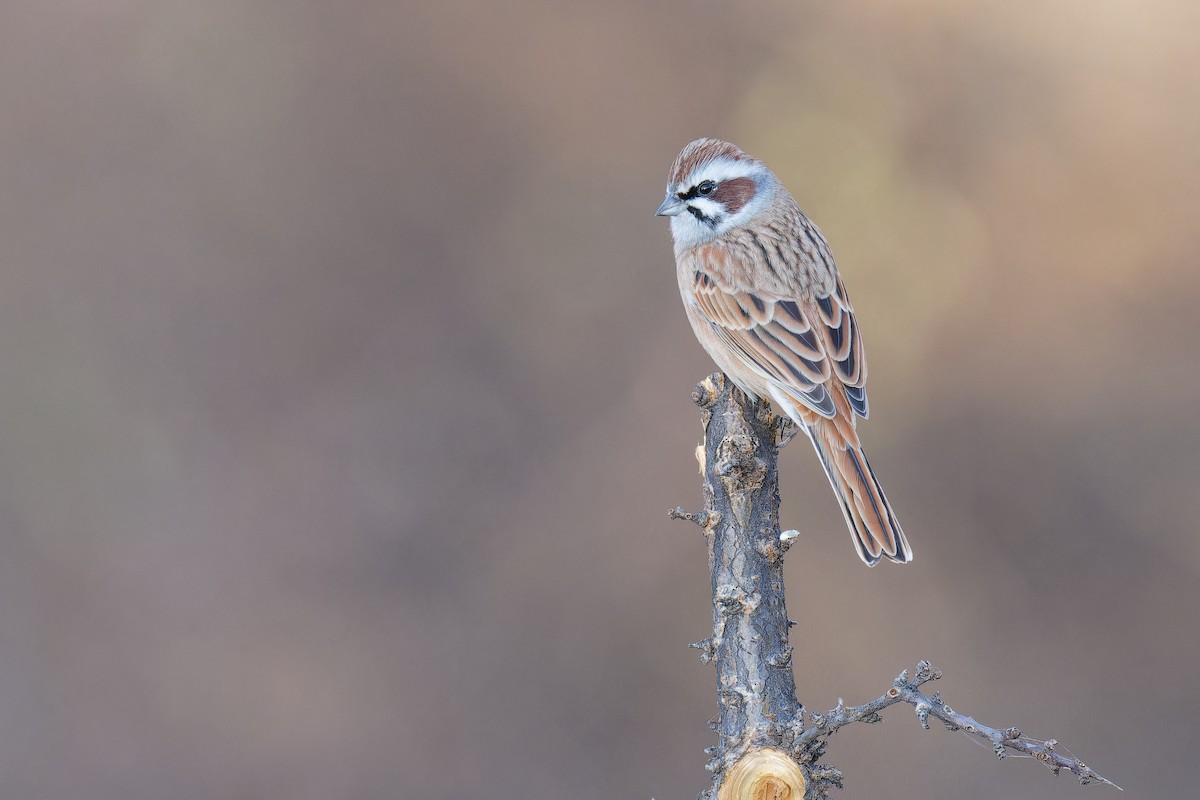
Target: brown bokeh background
{"points": [[345, 387]]}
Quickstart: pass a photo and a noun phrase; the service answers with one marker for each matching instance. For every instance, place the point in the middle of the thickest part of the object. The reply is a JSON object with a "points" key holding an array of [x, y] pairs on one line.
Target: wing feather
{"points": [[796, 344]]}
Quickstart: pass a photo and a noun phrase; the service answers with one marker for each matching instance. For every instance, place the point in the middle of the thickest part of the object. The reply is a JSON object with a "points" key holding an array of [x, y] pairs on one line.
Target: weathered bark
{"points": [[755, 687]]}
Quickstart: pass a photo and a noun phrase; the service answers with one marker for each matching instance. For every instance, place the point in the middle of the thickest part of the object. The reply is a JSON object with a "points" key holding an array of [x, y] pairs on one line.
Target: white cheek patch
{"points": [[709, 208], [689, 232]]}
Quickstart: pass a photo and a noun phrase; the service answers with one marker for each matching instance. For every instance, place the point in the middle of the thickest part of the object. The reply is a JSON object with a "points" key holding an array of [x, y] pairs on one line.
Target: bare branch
{"points": [[759, 716], [907, 690]]}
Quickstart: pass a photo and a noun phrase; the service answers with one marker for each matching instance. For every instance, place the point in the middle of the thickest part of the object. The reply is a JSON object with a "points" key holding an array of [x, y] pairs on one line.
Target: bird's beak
{"points": [[670, 207]]}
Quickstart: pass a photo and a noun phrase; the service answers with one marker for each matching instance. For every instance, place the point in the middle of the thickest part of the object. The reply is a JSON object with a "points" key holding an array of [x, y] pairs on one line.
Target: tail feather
{"points": [[876, 532]]}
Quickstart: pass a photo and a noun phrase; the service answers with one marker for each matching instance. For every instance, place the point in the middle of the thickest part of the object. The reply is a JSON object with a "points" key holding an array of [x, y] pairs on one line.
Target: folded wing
{"points": [[794, 344]]}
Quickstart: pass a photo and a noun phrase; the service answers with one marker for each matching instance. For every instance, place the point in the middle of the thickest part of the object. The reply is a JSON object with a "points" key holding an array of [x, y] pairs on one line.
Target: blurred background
{"points": [[346, 386]]}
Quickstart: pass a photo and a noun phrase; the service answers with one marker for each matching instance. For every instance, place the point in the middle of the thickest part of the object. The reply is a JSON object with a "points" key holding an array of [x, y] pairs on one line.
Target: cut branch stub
{"points": [[766, 774]]}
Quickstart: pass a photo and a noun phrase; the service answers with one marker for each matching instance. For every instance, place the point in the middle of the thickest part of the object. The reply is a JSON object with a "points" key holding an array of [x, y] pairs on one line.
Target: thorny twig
{"points": [[906, 689]]}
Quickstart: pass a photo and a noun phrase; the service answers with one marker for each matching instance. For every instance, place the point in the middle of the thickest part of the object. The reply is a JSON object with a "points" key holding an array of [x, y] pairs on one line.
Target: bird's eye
{"points": [[706, 188]]}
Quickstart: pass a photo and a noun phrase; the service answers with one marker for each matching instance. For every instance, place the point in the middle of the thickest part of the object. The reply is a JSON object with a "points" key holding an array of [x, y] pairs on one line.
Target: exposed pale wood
{"points": [[766, 774]]}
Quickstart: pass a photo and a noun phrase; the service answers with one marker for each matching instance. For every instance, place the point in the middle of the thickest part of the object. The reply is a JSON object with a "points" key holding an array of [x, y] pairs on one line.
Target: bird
{"points": [[767, 303]]}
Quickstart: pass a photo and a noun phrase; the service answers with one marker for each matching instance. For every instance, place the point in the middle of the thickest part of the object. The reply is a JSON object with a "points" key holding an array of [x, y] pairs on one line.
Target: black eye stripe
{"points": [[702, 189]]}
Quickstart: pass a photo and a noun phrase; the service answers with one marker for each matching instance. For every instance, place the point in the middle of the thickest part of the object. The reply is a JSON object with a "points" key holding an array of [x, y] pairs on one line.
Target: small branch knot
{"points": [[707, 648], [926, 672], [923, 710], [701, 518], [787, 539], [784, 429], [706, 392], [782, 658]]}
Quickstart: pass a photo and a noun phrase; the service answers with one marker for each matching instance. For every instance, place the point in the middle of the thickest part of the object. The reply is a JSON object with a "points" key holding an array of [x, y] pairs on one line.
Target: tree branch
{"points": [[764, 749], [906, 690]]}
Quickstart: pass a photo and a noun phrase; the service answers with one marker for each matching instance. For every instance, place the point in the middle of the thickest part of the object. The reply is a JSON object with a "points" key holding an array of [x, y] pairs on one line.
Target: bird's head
{"points": [[712, 188]]}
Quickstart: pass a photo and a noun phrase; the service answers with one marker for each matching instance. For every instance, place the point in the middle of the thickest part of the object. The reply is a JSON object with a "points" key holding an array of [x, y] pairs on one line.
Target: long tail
{"points": [[873, 524]]}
